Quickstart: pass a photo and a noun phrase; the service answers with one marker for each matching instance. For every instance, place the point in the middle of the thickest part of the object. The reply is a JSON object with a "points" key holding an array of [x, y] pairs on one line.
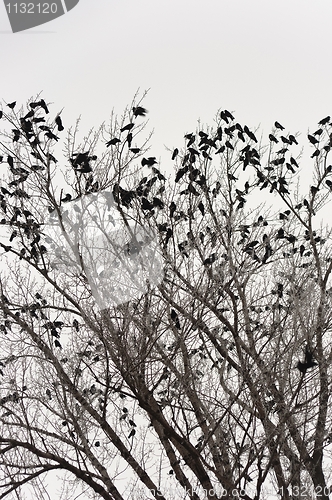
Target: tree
{"points": [[163, 338]]}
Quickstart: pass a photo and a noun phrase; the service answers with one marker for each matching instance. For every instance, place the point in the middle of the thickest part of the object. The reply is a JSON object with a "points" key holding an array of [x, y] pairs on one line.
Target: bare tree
{"points": [[163, 338]]}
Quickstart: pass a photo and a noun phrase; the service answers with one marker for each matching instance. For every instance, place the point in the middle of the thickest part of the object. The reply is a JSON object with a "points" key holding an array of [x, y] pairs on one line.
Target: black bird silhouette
{"points": [[293, 162], [127, 127], [43, 105], [17, 134], [66, 198], [308, 361], [175, 153], [324, 121], [149, 161], [210, 260], [329, 184], [129, 139], [139, 111], [112, 142], [312, 139], [132, 433], [292, 139], [201, 208], [50, 135], [57, 344], [10, 161], [12, 105], [172, 208], [272, 138], [277, 125], [58, 121]]}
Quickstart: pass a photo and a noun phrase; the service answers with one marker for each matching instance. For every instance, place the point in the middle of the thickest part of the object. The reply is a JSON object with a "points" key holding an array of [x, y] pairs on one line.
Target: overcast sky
{"points": [[262, 60]]}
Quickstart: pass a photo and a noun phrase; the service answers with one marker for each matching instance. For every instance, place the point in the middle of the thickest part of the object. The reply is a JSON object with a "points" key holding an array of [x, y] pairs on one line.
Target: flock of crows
{"points": [[197, 146]]}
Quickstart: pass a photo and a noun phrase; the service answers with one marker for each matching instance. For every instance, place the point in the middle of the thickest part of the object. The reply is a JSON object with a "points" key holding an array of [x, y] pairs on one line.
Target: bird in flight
{"points": [[139, 111]]}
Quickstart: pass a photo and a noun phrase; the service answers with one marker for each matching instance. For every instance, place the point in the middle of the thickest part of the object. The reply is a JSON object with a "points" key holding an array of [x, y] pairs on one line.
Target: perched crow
{"points": [[210, 260], [43, 105], [127, 127], [312, 139], [112, 142], [277, 125], [59, 123], [324, 121], [12, 105], [272, 138], [10, 161], [132, 433], [149, 161], [50, 135], [329, 184], [292, 139], [308, 361], [175, 153], [172, 208], [66, 198], [201, 208]]}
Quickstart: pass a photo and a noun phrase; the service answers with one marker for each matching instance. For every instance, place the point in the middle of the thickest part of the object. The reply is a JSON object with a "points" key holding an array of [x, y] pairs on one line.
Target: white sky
{"points": [[263, 60]]}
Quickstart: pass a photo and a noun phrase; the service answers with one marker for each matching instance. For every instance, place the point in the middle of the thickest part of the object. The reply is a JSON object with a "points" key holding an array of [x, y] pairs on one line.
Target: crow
{"points": [[10, 161], [308, 361], [324, 121], [12, 105], [50, 135], [58, 121], [149, 161], [112, 142], [17, 134], [277, 125], [66, 198], [210, 260], [272, 138], [172, 208], [129, 139], [30, 114], [201, 208], [292, 139], [312, 139], [43, 105], [127, 127], [175, 153], [132, 433], [139, 111]]}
